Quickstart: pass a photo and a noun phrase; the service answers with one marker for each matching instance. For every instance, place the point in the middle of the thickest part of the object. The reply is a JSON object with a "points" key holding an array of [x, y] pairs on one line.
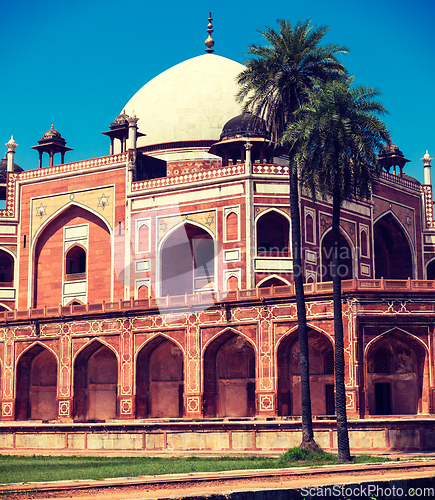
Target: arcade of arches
{"points": [[395, 381]]}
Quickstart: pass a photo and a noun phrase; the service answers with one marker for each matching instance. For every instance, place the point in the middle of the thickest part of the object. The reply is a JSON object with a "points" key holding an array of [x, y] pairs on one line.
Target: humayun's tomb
{"points": [[147, 300]]}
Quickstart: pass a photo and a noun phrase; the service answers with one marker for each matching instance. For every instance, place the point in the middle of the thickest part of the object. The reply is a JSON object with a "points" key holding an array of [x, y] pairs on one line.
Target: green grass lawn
{"points": [[19, 469]]}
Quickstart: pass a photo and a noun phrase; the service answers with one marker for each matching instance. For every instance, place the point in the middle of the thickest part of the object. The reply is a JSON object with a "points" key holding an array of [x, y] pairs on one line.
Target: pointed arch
{"points": [[288, 373], [46, 273], [395, 366], [430, 269], [75, 260], [8, 261], [347, 268], [99, 341], [187, 259], [231, 224], [65, 208], [232, 281], [160, 378], [224, 331], [274, 279], [229, 375], [95, 381], [272, 233], [394, 250], [36, 383]]}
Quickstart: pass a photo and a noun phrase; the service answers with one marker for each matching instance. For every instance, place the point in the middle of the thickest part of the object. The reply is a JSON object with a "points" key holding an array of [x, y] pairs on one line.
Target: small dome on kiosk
{"points": [[244, 125]]}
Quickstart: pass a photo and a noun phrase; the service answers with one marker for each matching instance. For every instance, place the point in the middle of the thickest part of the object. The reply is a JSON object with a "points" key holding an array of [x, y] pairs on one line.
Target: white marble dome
{"points": [[191, 101]]}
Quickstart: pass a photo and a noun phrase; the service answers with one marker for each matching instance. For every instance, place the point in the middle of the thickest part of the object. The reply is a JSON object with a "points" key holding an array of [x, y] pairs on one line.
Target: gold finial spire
{"points": [[209, 42]]}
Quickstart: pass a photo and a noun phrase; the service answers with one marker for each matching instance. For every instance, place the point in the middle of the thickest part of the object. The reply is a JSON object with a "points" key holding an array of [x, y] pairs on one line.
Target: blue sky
{"points": [[76, 64]]}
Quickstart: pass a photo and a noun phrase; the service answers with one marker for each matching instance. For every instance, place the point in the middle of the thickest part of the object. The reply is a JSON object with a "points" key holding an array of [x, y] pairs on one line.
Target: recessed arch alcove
{"points": [[393, 255], [229, 377], [6, 269], [273, 234], [395, 374], [95, 383], [321, 362], [346, 268], [50, 265], [159, 379], [187, 260], [36, 388]]}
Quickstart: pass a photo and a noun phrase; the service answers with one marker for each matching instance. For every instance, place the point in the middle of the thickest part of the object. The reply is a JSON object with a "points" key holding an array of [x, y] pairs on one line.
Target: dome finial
{"points": [[209, 42]]}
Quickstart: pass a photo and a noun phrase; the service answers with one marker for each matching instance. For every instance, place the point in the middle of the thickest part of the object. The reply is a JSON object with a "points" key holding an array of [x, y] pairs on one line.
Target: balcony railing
{"points": [[209, 298], [75, 277]]}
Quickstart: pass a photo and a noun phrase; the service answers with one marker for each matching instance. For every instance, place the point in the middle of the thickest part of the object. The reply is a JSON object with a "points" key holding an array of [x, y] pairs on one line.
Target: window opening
{"points": [[75, 263], [309, 227], [328, 363], [382, 361], [273, 232]]}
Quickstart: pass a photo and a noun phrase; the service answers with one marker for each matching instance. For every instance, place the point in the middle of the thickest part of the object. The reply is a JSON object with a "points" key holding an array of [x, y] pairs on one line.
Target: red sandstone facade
{"points": [[133, 296]]}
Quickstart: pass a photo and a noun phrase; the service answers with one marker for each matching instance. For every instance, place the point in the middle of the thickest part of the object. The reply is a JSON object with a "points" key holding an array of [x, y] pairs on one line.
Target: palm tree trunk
{"points": [[307, 422], [340, 390]]}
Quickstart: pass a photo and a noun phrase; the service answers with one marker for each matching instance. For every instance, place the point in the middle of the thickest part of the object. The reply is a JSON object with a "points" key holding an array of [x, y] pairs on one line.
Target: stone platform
{"points": [[220, 435]]}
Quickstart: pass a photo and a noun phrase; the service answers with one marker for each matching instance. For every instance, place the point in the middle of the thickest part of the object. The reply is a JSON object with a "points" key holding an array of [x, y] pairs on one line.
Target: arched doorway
{"points": [[393, 256], [187, 261], [36, 385], [159, 380], [229, 377], [395, 365], [273, 234], [321, 359], [95, 383], [345, 269]]}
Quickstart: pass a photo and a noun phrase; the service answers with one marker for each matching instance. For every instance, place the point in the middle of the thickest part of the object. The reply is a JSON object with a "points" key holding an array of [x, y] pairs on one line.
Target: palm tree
{"points": [[339, 134], [274, 84]]}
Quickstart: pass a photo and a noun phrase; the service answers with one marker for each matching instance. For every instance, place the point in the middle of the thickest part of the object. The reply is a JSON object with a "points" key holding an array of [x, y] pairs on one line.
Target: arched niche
{"points": [[143, 292], [36, 388], [229, 377], [321, 374], [395, 366], [346, 268], [187, 261], [309, 228], [95, 383], [232, 227], [430, 270], [75, 261], [6, 269], [393, 255], [232, 283], [273, 235], [49, 265], [159, 380]]}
